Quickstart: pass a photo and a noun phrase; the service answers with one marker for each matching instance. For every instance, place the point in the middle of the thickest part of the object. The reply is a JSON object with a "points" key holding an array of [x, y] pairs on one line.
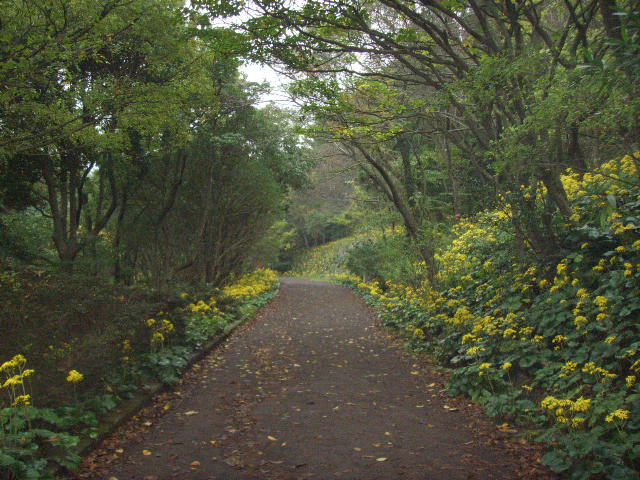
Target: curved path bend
{"points": [[312, 389]]}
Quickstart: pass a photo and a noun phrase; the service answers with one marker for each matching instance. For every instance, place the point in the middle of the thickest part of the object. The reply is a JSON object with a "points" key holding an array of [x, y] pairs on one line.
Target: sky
{"points": [[263, 73]]}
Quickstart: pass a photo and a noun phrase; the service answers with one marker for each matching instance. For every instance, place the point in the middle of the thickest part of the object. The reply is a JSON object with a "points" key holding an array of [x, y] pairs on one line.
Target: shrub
{"points": [[556, 345]]}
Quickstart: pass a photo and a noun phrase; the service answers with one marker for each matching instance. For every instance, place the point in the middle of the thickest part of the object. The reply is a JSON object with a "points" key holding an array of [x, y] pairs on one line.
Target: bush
{"points": [[556, 346], [90, 345]]}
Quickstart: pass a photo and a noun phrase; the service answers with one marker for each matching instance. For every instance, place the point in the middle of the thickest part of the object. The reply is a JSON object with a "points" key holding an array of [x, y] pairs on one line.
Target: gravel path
{"points": [[312, 389]]}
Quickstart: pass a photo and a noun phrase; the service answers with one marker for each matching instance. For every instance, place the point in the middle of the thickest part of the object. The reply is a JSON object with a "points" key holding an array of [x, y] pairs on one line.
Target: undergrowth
{"points": [[555, 346], [40, 432]]}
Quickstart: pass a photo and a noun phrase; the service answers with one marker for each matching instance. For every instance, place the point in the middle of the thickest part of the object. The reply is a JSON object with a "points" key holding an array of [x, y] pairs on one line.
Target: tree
{"points": [[482, 79]]}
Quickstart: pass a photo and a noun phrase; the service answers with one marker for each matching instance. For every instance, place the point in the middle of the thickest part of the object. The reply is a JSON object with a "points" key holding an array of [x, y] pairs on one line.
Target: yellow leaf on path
{"points": [[195, 463], [119, 450], [415, 372], [273, 439], [381, 459], [146, 452], [213, 442], [113, 478], [191, 412], [166, 407], [357, 449]]}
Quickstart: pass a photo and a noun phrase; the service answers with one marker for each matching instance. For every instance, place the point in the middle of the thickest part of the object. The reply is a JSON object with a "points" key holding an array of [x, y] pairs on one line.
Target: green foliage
{"points": [[324, 259], [34, 440], [547, 344], [389, 257]]}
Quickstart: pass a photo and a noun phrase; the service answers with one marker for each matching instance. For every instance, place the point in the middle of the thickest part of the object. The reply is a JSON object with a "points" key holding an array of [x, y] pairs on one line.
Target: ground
{"points": [[313, 388]]}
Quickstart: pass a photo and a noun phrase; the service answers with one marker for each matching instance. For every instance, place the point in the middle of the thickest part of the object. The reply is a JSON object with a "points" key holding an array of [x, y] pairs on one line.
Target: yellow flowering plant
{"points": [[24, 428], [567, 330]]}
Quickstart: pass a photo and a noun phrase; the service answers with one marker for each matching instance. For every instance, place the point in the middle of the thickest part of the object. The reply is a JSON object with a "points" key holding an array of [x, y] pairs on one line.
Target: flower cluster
{"points": [[252, 284], [15, 373], [568, 329]]}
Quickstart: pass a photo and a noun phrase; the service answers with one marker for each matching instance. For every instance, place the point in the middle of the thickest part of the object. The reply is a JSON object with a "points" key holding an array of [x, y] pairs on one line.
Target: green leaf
{"points": [[557, 461]]}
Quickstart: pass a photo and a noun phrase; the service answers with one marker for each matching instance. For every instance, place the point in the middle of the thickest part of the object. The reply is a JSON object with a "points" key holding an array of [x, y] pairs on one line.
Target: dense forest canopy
{"points": [[448, 105], [127, 127]]}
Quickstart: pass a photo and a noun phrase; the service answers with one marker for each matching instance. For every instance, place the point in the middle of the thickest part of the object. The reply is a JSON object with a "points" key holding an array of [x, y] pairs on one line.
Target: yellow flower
{"points": [[14, 362], [601, 301], [506, 365], [22, 400], [610, 339], [11, 381], [75, 376], [617, 414], [474, 350], [630, 381], [157, 338], [580, 321], [509, 333], [151, 322], [581, 405], [568, 368], [582, 293], [468, 337], [577, 421], [482, 367]]}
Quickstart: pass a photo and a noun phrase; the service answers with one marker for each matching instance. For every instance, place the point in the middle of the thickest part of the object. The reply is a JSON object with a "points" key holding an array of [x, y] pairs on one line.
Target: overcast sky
{"points": [[260, 73]]}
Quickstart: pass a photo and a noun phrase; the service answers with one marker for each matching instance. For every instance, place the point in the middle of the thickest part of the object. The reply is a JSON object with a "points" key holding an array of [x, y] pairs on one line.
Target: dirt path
{"points": [[311, 389]]}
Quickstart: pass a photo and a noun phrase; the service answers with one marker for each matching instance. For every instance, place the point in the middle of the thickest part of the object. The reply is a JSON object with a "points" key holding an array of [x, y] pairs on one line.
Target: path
{"points": [[311, 389]]}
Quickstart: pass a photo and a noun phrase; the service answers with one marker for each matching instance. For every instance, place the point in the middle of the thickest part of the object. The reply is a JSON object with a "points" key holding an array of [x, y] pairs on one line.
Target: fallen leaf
{"points": [[233, 461], [119, 450], [195, 463], [191, 412], [273, 439], [415, 372], [147, 452], [381, 459]]}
